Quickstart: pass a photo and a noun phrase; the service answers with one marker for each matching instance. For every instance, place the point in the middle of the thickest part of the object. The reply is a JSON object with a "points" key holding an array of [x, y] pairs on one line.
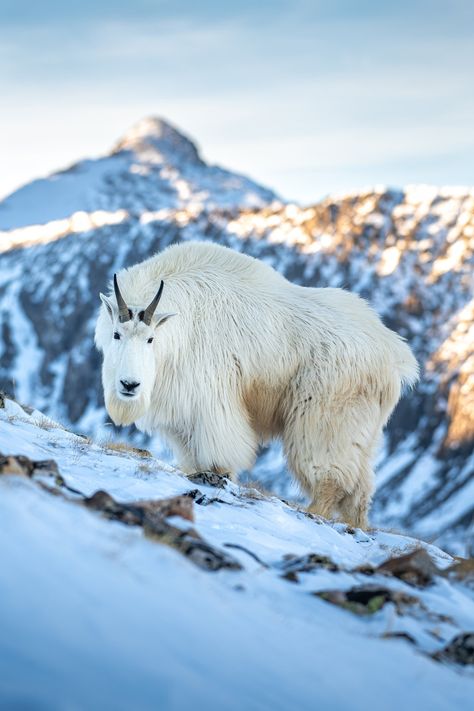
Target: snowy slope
{"points": [[94, 614], [410, 252]]}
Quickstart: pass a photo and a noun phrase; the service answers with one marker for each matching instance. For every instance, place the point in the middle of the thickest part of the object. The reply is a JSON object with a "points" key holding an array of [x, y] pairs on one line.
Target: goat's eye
{"points": [[117, 336], [150, 340]]}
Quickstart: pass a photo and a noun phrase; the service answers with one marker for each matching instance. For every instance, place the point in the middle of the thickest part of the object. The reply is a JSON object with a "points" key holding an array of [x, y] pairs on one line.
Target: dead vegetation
{"points": [[124, 448], [368, 599], [45, 423], [254, 489]]}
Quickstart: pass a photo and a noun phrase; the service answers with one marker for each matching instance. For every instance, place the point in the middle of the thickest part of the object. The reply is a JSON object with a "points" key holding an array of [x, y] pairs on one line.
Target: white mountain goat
{"points": [[248, 357]]}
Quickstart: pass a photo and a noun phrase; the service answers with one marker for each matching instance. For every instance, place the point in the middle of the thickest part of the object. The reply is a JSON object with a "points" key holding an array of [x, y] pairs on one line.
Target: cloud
{"points": [[271, 88]]}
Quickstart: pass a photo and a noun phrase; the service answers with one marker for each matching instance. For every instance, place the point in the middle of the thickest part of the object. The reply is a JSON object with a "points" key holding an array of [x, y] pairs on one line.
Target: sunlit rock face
{"points": [[410, 252]]}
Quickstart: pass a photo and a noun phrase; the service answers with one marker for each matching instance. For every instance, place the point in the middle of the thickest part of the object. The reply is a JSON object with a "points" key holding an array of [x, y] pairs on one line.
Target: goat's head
{"points": [[129, 368]]}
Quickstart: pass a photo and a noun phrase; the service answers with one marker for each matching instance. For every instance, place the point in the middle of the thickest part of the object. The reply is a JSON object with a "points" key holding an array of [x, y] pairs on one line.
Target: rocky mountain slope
{"points": [[127, 585], [410, 252]]}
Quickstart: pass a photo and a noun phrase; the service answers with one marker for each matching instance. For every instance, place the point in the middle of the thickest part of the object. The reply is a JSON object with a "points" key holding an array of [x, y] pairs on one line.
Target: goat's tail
{"points": [[407, 366]]}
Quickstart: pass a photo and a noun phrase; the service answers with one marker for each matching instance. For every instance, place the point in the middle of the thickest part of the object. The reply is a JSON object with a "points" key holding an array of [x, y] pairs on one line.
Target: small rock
{"points": [[366, 600], [106, 504], [174, 506], [208, 557], [24, 466], [415, 568], [152, 517], [29, 410], [462, 570], [399, 635], [19, 465], [201, 499], [292, 565], [46, 466], [460, 650]]}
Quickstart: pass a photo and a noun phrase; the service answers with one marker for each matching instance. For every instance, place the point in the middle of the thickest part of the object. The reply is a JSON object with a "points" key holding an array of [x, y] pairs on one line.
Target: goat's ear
{"points": [[109, 305], [160, 319]]}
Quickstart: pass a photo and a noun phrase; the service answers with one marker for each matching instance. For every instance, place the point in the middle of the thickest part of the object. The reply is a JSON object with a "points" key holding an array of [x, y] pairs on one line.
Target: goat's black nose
{"points": [[129, 387]]}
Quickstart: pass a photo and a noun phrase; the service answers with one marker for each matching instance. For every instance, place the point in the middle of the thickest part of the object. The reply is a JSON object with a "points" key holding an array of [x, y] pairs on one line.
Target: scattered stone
{"points": [[204, 555], [292, 565], [460, 650], [24, 466], [219, 481], [399, 635], [126, 513], [366, 569], [307, 514], [26, 408], [415, 568], [21, 466], [201, 499], [367, 600], [152, 515], [5, 396], [175, 506], [47, 466], [462, 570], [137, 512]]}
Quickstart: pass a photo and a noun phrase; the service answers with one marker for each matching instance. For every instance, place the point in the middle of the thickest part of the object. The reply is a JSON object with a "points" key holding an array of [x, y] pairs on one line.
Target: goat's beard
{"points": [[123, 412]]}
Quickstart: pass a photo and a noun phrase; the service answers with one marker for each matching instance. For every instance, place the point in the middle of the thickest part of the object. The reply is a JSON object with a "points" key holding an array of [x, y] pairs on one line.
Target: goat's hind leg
{"points": [[326, 493], [332, 495], [355, 506], [330, 451], [311, 447]]}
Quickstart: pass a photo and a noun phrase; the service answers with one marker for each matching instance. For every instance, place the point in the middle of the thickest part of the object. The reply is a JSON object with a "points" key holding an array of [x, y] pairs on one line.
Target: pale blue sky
{"points": [[306, 97]]}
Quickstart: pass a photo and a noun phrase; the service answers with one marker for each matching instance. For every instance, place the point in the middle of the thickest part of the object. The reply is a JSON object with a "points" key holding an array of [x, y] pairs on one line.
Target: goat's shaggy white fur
{"points": [[249, 357]]}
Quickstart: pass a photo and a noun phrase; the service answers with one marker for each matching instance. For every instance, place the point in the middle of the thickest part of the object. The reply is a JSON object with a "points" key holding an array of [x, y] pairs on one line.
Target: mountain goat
{"points": [[240, 356]]}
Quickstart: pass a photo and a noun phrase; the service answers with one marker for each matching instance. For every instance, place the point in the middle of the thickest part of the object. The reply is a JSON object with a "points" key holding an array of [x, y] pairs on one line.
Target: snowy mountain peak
{"points": [[154, 138], [152, 167]]}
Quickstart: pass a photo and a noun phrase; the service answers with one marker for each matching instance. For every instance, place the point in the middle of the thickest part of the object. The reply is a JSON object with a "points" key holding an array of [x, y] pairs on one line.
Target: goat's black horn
{"points": [[124, 311], [151, 308]]}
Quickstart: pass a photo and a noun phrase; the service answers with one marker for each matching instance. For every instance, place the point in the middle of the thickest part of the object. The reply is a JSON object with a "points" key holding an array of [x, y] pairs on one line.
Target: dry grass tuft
{"points": [[46, 424], [256, 490], [124, 448]]}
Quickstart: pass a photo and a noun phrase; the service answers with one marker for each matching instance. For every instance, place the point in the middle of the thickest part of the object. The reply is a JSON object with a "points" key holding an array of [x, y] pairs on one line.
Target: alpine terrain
{"points": [[126, 585], [408, 251]]}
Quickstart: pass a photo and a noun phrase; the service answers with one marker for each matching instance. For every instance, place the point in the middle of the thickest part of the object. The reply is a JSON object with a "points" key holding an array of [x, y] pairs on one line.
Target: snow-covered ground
{"points": [[94, 614]]}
